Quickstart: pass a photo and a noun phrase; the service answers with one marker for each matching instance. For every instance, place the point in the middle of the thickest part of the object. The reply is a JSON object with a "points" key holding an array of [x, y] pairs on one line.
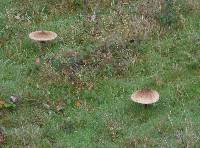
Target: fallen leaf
{"points": [[65, 72], [86, 62], [37, 61], [60, 106], [90, 86], [78, 103], [2, 103]]}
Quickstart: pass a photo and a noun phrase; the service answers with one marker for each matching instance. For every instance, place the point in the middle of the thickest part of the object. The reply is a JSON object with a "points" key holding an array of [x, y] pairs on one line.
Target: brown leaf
{"points": [[2, 103], [37, 61], [60, 106], [66, 71], [86, 62], [90, 86], [78, 103]]}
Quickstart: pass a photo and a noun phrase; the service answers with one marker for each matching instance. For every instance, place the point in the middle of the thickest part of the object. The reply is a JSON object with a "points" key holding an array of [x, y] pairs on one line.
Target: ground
{"points": [[83, 99]]}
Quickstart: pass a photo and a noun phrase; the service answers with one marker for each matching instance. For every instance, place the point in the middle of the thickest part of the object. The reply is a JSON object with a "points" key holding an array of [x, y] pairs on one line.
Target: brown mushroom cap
{"points": [[145, 96], [42, 36]]}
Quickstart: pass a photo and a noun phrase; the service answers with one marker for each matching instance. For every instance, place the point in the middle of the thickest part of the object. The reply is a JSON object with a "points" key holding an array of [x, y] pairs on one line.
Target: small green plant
{"points": [[6, 105]]}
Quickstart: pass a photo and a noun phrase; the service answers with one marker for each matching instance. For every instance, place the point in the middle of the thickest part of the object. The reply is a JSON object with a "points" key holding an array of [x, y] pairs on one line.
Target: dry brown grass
{"points": [[150, 8], [193, 5]]}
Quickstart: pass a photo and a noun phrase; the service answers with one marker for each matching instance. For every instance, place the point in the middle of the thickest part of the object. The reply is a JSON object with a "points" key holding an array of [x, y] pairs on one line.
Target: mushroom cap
{"points": [[42, 36], [145, 96]]}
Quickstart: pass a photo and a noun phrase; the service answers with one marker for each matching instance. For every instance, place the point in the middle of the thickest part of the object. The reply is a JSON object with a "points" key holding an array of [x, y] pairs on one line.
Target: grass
{"points": [[94, 97]]}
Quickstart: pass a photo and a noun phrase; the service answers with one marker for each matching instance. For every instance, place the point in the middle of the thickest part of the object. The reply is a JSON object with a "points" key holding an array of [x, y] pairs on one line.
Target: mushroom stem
{"points": [[42, 42], [145, 106], [41, 46]]}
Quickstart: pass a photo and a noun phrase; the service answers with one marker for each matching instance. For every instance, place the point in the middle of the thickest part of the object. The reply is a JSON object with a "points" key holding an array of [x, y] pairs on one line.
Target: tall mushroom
{"points": [[145, 96], [42, 37]]}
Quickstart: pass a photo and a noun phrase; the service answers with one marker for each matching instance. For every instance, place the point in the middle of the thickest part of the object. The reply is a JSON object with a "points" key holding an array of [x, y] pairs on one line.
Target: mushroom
{"points": [[42, 36], [145, 96]]}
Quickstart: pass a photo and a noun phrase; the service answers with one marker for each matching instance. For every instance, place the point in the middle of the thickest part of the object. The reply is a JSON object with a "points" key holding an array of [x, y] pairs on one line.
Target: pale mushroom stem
{"points": [[42, 42], [41, 46]]}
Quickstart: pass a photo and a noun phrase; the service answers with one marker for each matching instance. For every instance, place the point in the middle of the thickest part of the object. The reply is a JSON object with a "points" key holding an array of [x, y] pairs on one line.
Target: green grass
{"points": [[166, 61]]}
